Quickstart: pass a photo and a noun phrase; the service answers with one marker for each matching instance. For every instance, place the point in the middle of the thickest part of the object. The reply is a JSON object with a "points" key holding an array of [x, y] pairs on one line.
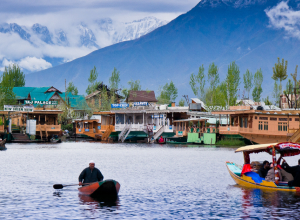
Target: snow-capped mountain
{"points": [[15, 28], [73, 41], [138, 28]]}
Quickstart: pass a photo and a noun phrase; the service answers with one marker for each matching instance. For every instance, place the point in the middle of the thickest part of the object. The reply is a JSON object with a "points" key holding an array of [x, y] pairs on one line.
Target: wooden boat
{"points": [[2, 145], [106, 190], [244, 176], [55, 140]]}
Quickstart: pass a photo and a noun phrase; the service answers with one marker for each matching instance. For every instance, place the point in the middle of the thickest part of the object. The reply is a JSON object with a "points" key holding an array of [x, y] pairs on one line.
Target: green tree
{"points": [[72, 89], [14, 76], [248, 78], [276, 93], [288, 91], [213, 76], [295, 89], [267, 101], [280, 71], [181, 102], [114, 80], [168, 93], [197, 83], [135, 85], [92, 87], [257, 91], [232, 82]]}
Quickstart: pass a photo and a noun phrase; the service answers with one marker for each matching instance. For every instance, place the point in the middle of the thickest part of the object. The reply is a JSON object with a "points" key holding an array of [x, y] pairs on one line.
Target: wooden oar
{"points": [[60, 186]]}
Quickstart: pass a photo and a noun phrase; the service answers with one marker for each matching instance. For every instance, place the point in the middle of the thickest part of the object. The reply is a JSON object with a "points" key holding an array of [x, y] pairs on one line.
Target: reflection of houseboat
{"points": [[100, 126], [261, 126]]}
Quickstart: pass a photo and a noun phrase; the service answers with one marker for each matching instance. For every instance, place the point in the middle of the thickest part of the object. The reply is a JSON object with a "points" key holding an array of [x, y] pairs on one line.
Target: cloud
{"points": [[283, 17], [28, 63]]}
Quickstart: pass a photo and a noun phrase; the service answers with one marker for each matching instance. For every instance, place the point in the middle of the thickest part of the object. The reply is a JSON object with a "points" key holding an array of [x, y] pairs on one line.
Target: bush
{"points": [[68, 127], [231, 142]]}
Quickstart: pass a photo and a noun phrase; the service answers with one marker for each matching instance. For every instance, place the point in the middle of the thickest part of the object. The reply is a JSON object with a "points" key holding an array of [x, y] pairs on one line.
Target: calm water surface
{"points": [[157, 182]]}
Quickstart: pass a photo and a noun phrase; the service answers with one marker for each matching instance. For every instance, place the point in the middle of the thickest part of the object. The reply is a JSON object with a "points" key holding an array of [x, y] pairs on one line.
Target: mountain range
{"points": [[219, 31]]}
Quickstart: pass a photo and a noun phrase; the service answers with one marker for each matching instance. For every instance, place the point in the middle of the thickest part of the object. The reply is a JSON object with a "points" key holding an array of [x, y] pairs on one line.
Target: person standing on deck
{"points": [[295, 171], [263, 171], [90, 174]]}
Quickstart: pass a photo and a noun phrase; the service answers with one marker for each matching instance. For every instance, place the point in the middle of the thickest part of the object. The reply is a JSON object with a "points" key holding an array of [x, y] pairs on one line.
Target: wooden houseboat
{"points": [[262, 126], [42, 123], [100, 126]]}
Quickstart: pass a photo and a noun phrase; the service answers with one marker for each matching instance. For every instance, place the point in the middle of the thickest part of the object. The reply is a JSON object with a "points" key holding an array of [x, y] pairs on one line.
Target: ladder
{"points": [[295, 137], [124, 133], [157, 134]]}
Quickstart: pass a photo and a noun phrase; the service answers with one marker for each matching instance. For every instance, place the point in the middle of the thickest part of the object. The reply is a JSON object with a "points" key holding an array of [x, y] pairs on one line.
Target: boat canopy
{"points": [[285, 149]]}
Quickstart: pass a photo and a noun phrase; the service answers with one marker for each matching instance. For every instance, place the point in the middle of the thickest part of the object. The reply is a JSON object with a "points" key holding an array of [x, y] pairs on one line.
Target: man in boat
{"points": [[263, 171], [271, 174], [295, 171], [90, 174]]}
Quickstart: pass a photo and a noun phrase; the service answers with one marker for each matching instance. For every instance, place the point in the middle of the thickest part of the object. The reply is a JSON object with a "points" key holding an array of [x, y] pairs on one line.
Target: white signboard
{"points": [[18, 108], [33, 102]]}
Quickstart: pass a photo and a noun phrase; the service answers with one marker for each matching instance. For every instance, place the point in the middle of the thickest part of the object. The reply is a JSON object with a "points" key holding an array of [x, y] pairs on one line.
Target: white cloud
{"points": [[34, 64], [28, 63], [283, 17]]}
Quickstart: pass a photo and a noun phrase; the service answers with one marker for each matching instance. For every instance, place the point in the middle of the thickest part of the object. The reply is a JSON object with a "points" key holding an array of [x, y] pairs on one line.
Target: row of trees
{"points": [[218, 94], [109, 94]]}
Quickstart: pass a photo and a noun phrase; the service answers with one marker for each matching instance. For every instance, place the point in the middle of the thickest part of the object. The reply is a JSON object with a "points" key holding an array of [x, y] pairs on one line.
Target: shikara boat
{"points": [[106, 190], [244, 175]]}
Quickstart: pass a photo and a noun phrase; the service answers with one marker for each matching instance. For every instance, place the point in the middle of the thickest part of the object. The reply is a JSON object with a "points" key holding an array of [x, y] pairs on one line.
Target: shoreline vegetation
{"points": [[231, 142]]}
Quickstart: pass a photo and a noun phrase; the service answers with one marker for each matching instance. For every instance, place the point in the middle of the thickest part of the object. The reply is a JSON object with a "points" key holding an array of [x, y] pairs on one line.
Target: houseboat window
{"points": [[260, 125], [241, 122], [255, 117], [296, 119], [245, 122], [282, 119], [263, 118], [273, 119], [284, 126], [266, 125], [279, 126], [290, 119], [86, 125]]}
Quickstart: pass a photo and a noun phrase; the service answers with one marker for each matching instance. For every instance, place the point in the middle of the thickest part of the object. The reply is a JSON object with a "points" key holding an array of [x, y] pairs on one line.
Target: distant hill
{"points": [[217, 31]]}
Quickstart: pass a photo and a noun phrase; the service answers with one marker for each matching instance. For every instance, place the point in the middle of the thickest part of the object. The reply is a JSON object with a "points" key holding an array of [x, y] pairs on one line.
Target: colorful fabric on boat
{"points": [[255, 177], [246, 168]]}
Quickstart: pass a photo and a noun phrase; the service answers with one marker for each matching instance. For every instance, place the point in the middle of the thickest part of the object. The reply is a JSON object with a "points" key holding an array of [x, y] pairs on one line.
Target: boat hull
{"points": [[106, 190], [247, 181]]}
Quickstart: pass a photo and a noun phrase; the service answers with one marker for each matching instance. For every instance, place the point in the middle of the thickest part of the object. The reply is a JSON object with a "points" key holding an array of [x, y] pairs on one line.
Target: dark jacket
{"points": [[262, 172], [295, 171], [90, 176]]}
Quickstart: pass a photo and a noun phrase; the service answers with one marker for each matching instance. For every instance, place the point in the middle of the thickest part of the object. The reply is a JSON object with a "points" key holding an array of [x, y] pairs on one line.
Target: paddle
{"points": [[60, 186]]}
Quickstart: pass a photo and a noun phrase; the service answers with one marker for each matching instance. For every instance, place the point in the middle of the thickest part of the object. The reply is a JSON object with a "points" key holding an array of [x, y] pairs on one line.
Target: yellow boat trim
{"points": [[255, 147], [248, 182]]}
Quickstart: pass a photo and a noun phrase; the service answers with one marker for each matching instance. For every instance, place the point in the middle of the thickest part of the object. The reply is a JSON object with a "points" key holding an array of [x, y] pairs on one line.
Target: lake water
{"points": [[157, 182]]}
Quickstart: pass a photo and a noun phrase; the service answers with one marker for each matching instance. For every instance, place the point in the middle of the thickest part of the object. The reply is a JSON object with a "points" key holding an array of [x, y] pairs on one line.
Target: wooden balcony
{"points": [[48, 128]]}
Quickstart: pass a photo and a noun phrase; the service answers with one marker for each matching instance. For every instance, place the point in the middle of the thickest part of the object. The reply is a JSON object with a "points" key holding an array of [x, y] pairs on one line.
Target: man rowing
{"points": [[90, 174]]}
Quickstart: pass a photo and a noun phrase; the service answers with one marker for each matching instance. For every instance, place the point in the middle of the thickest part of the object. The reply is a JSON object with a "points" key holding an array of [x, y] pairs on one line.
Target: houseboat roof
{"points": [[141, 96], [257, 147], [191, 119], [285, 149]]}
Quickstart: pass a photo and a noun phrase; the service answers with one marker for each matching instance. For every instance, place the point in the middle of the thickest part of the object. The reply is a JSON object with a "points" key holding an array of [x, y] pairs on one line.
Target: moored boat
{"points": [[245, 176], [106, 190]]}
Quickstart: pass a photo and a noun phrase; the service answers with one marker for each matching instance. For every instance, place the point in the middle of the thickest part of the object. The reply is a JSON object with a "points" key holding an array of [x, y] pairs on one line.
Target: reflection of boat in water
{"points": [[54, 140], [245, 176], [2, 145], [106, 190]]}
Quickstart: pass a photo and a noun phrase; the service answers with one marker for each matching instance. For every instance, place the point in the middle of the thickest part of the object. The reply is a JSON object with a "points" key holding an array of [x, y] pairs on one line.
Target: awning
{"points": [[285, 149]]}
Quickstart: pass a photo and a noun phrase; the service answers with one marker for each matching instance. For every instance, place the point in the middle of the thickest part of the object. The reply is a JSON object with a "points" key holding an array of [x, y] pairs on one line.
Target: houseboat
{"points": [[100, 126], [261, 126]]}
